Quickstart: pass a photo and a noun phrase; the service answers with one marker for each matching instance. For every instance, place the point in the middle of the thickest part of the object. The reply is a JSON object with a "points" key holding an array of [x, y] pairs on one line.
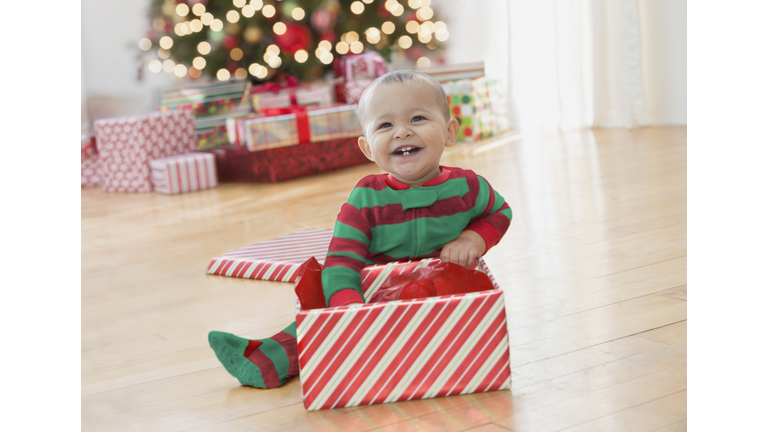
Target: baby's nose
{"points": [[403, 132]]}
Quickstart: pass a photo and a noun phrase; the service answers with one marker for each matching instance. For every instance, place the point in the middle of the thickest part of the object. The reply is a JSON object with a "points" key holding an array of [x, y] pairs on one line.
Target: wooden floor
{"points": [[593, 266]]}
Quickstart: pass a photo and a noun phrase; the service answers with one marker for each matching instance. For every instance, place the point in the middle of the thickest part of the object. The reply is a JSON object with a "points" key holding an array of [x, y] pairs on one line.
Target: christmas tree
{"points": [[262, 39]]}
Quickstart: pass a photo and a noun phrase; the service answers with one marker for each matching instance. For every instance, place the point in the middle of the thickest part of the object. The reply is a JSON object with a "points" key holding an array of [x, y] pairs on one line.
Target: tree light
{"points": [[388, 27], [233, 16], [298, 13], [275, 62], [182, 9], [198, 9], [203, 47], [199, 62], [356, 47], [342, 47], [357, 7], [423, 62], [180, 70], [155, 66], [166, 42], [301, 56], [145, 44], [424, 13], [222, 75], [405, 42], [279, 28], [268, 11]]}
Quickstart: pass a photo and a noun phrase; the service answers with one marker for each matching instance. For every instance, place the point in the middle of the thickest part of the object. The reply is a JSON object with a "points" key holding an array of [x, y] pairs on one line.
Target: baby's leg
{"points": [[262, 363]]}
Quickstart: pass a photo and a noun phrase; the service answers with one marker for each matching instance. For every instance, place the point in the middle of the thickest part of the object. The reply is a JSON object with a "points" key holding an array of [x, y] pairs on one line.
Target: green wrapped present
{"points": [[212, 105]]}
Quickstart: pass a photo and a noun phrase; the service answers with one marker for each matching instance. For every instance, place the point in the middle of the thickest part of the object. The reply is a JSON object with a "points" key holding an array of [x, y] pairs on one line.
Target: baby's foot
{"points": [[263, 363]]}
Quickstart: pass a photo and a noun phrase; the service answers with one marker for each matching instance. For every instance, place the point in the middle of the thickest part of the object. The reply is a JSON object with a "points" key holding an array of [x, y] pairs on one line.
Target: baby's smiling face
{"points": [[406, 130]]}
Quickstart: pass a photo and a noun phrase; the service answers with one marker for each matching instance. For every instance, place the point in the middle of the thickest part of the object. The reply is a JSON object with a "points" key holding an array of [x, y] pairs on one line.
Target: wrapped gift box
{"points": [[90, 171], [491, 106], [276, 259], [184, 173], [212, 105], [126, 145], [90, 165], [308, 97], [456, 71], [405, 349], [279, 258], [322, 124], [462, 103], [288, 162], [355, 72]]}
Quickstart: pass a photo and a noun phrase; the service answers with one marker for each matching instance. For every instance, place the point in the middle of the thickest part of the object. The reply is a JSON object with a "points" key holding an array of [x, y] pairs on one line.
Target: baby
{"points": [[420, 209]]}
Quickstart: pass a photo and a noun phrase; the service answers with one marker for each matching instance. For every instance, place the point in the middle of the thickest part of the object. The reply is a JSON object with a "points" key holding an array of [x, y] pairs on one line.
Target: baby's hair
{"points": [[402, 76]]}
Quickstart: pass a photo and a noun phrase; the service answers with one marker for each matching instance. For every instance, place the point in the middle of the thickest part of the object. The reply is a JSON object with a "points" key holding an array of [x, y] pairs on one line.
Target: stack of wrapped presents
{"points": [[235, 131]]}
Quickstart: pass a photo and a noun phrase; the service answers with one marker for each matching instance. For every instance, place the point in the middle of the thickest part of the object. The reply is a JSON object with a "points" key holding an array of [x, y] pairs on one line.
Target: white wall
{"points": [[110, 31], [663, 29]]}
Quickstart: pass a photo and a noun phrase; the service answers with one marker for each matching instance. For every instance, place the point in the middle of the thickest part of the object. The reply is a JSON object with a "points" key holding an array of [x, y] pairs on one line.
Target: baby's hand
{"points": [[461, 251]]}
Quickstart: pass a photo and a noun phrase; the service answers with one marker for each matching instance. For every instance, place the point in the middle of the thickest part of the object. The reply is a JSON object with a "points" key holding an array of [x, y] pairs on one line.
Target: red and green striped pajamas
{"points": [[386, 220]]}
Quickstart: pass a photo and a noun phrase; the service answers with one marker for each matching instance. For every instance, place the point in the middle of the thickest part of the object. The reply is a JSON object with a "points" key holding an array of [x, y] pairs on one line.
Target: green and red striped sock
{"points": [[261, 363]]}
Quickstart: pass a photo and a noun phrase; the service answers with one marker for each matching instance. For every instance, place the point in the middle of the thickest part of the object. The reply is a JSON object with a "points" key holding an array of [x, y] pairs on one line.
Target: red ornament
{"points": [[296, 37], [229, 42]]}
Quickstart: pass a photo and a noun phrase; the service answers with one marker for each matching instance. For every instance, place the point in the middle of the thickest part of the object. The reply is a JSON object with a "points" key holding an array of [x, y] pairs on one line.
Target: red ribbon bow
{"points": [[302, 120]]}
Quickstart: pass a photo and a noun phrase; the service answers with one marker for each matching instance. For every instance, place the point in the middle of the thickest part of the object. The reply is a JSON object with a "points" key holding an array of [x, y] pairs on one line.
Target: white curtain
{"points": [[575, 63]]}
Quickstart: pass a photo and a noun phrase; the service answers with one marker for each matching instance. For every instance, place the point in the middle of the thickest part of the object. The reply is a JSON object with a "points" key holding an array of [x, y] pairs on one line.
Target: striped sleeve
{"points": [[494, 221], [347, 253]]}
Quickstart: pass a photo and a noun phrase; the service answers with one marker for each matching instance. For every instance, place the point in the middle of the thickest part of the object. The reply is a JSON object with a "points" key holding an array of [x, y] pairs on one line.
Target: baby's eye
{"points": [[417, 118], [384, 125]]}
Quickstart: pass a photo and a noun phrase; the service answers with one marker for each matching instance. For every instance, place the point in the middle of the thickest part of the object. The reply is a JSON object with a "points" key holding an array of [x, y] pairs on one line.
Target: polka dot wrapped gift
{"points": [[478, 104], [462, 104]]}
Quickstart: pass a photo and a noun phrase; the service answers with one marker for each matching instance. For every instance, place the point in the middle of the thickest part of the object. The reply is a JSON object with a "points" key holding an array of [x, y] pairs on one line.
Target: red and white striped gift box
{"points": [[403, 350], [275, 260], [184, 173]]}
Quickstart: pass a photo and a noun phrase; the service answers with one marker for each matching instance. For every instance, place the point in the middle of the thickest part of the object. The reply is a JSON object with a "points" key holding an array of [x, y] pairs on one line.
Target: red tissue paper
{"points": [[440, 280], [309, 285]]}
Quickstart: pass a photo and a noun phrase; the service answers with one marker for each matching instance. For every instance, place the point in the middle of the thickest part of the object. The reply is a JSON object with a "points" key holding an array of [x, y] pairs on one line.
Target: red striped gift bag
{"points": [[405, 349]]}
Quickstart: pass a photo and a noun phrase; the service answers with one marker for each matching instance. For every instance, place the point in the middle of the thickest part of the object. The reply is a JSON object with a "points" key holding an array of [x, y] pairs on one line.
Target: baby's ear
{"points": [[453, 132], [365, 148]]}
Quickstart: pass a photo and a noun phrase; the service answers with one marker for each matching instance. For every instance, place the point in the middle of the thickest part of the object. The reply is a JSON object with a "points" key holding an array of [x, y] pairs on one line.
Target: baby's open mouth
{"points": [[405, 151]]}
